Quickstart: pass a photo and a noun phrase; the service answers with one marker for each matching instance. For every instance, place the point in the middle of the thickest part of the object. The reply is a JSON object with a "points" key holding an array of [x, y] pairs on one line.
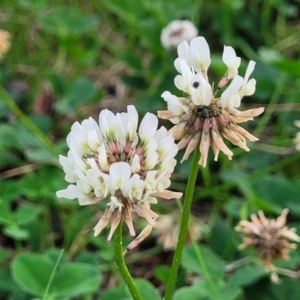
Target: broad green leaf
{"points": [[116, 293], [233, 207], [203, 290], [32, 272], [292, 67], [33, 5], [79, 92], [27, 213], [16, 233], [247, 275], [7, 137], [6, 282], [230, 291], [67, 22], [4, 254], [190, 293], [126, 9], [147, 290], [74, 279], [191, 261], [222, 239], [162, 272], [6, 216], [279, 191]]}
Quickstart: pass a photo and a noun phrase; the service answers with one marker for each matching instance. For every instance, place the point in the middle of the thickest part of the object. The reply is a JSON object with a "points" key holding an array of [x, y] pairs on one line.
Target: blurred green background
{"points": [[70, 59]]}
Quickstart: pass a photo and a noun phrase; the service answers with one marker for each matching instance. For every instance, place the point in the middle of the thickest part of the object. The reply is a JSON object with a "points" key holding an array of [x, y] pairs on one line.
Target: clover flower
{"points": [[4, 41], [113, 161], [167, 230], [176, 32], [268, 237], [203, 117]]}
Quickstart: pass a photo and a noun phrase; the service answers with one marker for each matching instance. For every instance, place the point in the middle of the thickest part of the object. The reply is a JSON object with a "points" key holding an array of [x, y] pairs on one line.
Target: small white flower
{"points": [[199, 55], [176, 32], [230, 97], [248, 87], [201, 91], [231, 61], [183, 51], [121, 164], [183, 81]]}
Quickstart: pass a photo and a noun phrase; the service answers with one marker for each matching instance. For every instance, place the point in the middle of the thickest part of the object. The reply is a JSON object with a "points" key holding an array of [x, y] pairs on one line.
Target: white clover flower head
{"points": [[203, 117], [176, 32], [117, 162]]}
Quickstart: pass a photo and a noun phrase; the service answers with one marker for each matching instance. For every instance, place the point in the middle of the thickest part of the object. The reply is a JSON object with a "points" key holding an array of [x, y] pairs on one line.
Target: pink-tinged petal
{"points": [[103, 222], [144, 234]]}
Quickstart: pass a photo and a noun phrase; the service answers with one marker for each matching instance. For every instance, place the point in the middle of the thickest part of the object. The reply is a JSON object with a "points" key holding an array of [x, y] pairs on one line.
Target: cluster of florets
{"points": [[203, 117], [112, 160], [270, 237]]}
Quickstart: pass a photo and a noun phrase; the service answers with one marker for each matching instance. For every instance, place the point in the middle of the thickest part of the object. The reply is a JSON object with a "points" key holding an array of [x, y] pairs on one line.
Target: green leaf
{"points": [[67, 22], [127, 9], [234, 206], [279, 192], [222, 239], [247, 275], [116, 293], [7, 137], [9, 190], [81, 90], [33, 5], [191, 293], [6, 216], [16, 233], [6, 282], [32, 272], [4, 255], [74, 279], [27, 213], [191, 261], [147, 290], [162, 273]]}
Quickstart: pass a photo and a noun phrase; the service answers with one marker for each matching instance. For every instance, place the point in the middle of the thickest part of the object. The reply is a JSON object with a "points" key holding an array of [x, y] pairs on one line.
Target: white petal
{"points": [[199, 56], [231, 61], [148, 127], [230, 97], [201, 92], [119, 173]]}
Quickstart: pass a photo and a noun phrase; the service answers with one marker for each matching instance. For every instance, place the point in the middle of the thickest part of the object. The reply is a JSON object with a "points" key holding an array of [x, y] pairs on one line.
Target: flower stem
{"points": [[183, 226], [121, 264]]}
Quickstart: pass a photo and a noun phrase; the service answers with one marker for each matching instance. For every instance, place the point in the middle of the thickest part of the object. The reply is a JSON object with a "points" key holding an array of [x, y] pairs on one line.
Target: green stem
{"points": [[121, 264], [26, 121], [183, 226], [52, 275]]}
